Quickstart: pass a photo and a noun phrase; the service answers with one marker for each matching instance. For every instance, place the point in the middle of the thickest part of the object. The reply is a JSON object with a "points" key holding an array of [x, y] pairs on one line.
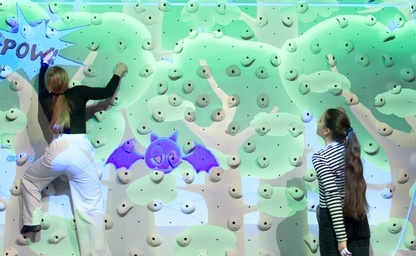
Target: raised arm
{"points": [[42, 86], [109, 90]]}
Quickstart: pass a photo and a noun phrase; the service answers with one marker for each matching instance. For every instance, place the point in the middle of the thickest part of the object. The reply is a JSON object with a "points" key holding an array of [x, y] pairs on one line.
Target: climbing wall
{"points": [[206, 147]]}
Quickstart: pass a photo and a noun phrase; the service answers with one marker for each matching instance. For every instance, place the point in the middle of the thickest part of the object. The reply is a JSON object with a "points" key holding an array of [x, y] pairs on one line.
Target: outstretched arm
{"points": [[108, 91], [44, 64]]}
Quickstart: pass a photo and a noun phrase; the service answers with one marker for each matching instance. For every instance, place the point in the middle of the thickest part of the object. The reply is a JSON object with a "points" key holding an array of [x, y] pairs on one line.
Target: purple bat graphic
{"points": [[163, 154]]}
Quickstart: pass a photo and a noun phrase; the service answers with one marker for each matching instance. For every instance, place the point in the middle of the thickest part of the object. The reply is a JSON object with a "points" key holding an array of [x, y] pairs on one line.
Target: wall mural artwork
{"points": [[206, 147]]}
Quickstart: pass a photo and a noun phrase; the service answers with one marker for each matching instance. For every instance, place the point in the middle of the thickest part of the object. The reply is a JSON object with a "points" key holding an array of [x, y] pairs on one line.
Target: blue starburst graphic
{"points": [[23, 46]]}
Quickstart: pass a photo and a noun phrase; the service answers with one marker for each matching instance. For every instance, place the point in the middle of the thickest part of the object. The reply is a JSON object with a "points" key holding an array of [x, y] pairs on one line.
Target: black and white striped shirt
{"points": [[329, 164]]}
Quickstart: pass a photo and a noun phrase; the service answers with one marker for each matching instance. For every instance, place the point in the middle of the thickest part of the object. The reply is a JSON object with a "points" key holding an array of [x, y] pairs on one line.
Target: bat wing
{"points": [[122, 158], [201, 159]]}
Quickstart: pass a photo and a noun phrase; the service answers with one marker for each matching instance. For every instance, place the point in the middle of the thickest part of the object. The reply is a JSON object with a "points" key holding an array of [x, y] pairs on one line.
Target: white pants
{"points": [[72, 155]]}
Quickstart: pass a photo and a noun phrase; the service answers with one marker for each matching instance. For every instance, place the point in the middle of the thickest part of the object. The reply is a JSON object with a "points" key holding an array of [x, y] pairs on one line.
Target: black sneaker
{"points": [[27, 229]]}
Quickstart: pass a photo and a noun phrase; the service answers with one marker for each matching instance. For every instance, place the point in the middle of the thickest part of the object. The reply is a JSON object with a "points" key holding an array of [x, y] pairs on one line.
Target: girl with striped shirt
{"points": [[342, 211]]}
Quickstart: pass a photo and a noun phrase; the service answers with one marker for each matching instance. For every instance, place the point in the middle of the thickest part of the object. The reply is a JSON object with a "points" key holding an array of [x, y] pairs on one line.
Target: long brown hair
{"points": [[57, 81], [355, 202]]}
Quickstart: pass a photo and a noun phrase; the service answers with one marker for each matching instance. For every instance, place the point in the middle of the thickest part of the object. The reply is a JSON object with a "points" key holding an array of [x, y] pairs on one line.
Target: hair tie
{"points": [[350, 130], [59, 94]]}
